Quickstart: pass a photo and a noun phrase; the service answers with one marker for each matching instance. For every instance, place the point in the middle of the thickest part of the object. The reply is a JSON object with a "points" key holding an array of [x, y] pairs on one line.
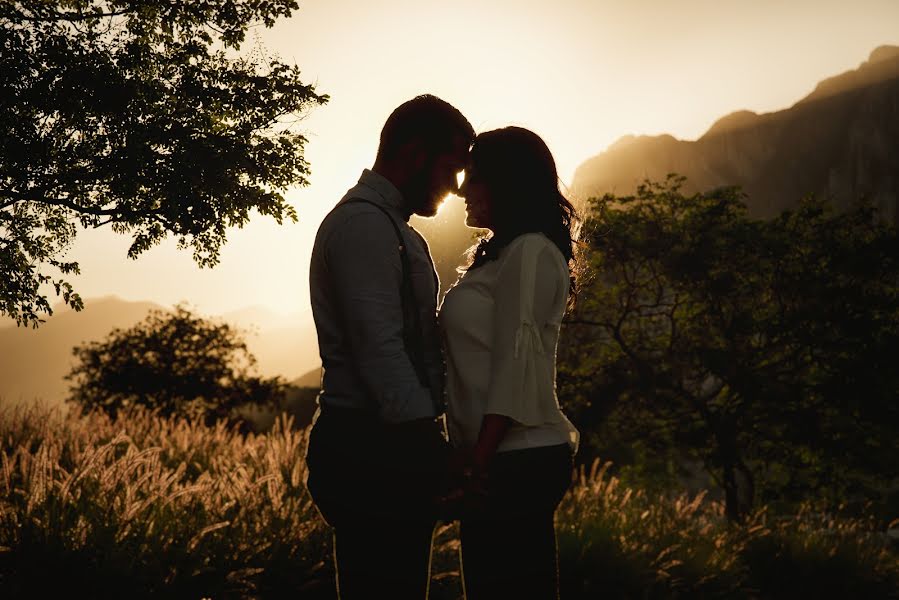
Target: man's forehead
{"points": [[457, 157], [462, 143], [460, 150]]}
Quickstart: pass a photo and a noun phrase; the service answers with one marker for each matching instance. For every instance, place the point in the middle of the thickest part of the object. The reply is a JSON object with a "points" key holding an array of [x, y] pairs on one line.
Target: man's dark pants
{"points": [[375, 484]]}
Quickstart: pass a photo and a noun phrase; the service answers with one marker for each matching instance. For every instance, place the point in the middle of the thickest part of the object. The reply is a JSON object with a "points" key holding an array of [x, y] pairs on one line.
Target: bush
{"points": [[176, 362]]}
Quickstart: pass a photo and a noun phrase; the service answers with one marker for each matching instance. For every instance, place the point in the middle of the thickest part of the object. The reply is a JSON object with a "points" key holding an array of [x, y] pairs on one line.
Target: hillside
{"points": [[33, 362], [841, 141]]}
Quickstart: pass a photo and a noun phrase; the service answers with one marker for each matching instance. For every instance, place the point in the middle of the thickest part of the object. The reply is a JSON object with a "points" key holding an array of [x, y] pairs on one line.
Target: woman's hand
{"points": [[459, 462], [466, 485], [493, 430]]}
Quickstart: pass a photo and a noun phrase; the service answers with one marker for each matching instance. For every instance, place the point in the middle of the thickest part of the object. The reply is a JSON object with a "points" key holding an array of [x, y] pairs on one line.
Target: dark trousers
{"points": [[509, 545], [376, 485]]}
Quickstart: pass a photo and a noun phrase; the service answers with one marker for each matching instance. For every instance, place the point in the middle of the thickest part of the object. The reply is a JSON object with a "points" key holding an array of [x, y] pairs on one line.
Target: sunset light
{"points": [[581, 74], [651, 352]]}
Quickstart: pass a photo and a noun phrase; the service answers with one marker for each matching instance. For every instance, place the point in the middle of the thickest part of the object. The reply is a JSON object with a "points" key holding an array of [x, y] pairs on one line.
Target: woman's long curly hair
{"points": [[520, 174]]}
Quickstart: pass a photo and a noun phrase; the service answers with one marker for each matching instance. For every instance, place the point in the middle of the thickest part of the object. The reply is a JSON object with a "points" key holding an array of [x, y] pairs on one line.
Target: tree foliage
{"points": [[762, 348], [176, 362], [140, 115]]}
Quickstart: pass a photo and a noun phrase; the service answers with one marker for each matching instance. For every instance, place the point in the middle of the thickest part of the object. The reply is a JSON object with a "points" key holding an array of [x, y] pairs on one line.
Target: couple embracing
{"points": [[429, 415]]}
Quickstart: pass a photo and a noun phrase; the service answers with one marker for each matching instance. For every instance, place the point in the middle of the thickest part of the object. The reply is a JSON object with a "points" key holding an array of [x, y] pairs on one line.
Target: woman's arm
{"points": [[493, 430], [525, 295]]}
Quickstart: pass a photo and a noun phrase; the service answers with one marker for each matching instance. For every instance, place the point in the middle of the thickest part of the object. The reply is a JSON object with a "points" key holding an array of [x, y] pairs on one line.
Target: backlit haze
{"points": [[579, 73]]}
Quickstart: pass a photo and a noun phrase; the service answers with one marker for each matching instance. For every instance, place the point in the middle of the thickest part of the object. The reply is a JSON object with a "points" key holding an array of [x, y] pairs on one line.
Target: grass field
{"points": [[150, 507]]}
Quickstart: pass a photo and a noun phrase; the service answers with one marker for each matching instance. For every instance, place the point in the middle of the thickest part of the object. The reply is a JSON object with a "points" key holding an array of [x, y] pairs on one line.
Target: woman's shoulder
{"points": [[532, 240], [530, 246]]}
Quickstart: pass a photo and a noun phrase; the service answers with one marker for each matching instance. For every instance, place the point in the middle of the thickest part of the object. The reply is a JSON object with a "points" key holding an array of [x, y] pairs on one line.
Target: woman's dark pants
{"points": [[509, 547]]}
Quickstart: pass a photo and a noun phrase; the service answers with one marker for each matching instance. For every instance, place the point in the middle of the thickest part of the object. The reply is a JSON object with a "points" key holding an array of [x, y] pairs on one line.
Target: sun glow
{"points": [[442, 208], [580, 74]]}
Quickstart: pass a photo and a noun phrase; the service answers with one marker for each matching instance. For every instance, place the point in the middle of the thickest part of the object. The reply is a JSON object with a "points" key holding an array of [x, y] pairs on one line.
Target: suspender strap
{"points": [[412, 331]]}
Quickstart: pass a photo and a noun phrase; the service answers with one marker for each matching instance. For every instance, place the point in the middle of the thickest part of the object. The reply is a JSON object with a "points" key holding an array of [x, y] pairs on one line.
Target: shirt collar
{"points": [[387, 194]]}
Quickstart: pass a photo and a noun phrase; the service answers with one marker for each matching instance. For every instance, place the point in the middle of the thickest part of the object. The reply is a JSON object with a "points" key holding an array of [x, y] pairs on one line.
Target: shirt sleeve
{"points": [[526, 296], [363, 261]]}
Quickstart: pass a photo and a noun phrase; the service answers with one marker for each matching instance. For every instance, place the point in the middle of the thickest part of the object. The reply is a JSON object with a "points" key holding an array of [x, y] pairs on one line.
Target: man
{"points": [[377, 448]]}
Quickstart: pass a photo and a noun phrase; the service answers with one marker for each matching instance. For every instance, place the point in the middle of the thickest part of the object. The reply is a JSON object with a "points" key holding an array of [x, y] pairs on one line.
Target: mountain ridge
{"points": [[838, 141]]}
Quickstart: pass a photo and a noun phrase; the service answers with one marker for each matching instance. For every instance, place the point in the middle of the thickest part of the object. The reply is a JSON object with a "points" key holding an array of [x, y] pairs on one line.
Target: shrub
{"points": [[176, 362]]}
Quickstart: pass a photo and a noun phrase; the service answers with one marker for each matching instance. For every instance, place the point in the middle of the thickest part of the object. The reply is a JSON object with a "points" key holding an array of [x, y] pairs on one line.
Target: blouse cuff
{"points": [[527, 340]]}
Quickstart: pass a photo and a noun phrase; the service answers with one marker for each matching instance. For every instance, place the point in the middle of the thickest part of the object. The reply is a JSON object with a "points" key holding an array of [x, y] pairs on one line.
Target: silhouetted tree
{"points": [[762, 348], [176, 362], [140, 115]]}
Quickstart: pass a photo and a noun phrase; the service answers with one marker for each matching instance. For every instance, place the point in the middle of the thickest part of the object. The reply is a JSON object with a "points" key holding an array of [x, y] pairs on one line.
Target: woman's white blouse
{"points": [[500, 325]]}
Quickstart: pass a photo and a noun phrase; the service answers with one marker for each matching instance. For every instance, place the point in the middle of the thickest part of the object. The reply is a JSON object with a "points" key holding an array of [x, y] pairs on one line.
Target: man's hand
{"points": [[459, 462], [416, 429]]}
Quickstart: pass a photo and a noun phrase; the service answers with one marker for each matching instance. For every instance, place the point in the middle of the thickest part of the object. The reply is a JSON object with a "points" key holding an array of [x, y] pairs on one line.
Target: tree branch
{"points": [[90, 210], [64, 16], [586, 322], [115, 213]]}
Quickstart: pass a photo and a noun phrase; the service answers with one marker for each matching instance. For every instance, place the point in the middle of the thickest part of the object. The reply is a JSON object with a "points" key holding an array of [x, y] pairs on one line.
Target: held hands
{"points": [[466, 485], [468, 469]]}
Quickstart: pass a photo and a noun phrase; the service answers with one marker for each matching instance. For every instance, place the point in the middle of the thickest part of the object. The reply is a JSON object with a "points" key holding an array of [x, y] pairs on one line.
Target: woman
{"points": [[501, 323]]}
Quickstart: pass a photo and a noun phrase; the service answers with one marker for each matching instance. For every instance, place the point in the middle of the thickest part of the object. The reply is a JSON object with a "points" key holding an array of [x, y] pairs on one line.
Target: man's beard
{"points": [[419, 192]]}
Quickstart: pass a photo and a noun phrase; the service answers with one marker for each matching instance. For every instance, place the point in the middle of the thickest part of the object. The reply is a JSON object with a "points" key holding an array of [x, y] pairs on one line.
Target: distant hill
{"points": [[33, 362], [312, 379], [841, 141]]}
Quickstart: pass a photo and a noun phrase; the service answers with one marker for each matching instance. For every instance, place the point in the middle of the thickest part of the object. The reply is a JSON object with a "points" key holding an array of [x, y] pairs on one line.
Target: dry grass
{"points": [[616, 542], [173, 508]]}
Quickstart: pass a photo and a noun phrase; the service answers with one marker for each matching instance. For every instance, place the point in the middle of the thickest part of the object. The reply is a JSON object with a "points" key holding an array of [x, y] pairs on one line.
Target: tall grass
{"points": [[157, 507], [144, 506], [617, 542]]}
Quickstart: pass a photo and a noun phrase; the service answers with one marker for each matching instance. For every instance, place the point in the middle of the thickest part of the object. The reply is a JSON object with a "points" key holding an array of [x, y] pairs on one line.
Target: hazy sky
{"points": [[579, 73]]}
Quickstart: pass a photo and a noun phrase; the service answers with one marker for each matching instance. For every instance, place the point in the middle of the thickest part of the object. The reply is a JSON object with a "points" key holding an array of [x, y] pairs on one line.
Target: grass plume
{"points": [[175, 508]]}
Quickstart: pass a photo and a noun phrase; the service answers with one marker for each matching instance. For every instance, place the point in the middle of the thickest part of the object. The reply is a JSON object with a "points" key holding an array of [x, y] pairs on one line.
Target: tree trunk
{"points": [[739, 484], [739, 490]]}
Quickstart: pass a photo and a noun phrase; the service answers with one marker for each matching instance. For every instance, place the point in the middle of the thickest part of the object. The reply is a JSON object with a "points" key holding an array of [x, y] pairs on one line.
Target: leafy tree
{"points": [[761, 348], [140, 115], [176, 362]]}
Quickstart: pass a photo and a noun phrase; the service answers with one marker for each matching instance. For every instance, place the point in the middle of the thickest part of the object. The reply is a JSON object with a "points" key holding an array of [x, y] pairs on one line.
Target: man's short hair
{"points": [[428, 119]]}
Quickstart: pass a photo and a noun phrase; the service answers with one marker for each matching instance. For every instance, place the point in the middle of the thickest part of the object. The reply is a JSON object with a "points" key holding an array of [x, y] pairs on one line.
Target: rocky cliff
{"points": [[841, 141]]}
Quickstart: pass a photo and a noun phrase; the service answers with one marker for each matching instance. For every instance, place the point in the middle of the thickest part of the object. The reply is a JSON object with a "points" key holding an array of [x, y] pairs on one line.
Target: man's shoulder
{"points": [[355, 210], [351, 209], [355, 227]]}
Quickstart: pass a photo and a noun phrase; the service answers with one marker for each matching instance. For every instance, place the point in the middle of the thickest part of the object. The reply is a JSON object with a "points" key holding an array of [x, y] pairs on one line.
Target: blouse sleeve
{"points": [[526, 296]]}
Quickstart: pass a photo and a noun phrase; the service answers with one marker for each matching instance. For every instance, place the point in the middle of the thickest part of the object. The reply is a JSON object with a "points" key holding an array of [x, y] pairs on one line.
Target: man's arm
{"points": [[363, 261]]}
